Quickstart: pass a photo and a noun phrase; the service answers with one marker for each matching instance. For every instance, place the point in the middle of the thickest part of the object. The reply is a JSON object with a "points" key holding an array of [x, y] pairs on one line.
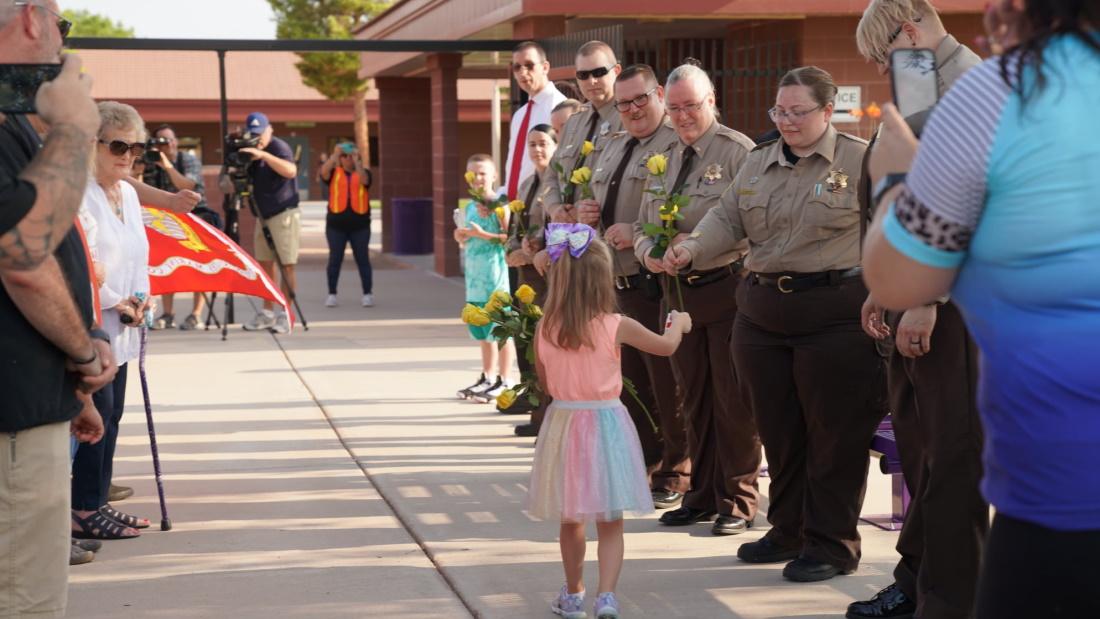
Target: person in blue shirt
{"points": [[999, 208]]}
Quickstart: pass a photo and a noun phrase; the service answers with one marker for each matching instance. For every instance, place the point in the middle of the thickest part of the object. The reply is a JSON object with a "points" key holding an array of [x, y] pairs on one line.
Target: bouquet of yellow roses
{"points": [[492, 204], [664, 234], [515, 318]]}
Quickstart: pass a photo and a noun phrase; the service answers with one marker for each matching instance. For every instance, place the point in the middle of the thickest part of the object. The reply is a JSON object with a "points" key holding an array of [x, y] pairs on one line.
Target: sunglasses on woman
{"points": [[119, 148]]}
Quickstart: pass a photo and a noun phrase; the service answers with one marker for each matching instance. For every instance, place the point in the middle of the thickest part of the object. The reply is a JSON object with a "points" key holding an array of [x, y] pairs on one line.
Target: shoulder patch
{"points": [[763, 145]]}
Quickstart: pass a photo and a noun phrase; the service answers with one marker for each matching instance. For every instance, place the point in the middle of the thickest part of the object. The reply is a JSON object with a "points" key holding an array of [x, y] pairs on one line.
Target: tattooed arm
{"points": [[54, 180]]}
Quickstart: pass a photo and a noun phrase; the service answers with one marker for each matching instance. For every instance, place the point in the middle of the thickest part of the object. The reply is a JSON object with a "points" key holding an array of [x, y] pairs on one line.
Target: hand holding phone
{"points": [[67, 97], [913, 80]]}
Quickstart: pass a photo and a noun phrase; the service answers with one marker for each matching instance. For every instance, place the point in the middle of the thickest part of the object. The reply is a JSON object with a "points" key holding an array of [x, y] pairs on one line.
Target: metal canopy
{"points": [[295, 45]]}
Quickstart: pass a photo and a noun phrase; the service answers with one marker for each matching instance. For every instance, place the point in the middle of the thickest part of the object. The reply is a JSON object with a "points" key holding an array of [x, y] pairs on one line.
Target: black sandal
{"points": [[126, 519], [98, 526]]}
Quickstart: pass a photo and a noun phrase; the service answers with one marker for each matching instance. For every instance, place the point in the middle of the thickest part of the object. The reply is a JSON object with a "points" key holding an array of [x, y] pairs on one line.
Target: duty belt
{"points": [[698, 279], [788, 282]]}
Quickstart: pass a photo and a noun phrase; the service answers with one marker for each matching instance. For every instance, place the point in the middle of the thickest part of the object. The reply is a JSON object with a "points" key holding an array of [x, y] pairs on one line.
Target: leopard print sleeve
{"points": [[931, 229]]}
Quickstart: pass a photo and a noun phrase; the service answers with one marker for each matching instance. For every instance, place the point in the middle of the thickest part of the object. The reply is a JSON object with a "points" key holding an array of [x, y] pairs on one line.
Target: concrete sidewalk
{"points": [[333, 473]]}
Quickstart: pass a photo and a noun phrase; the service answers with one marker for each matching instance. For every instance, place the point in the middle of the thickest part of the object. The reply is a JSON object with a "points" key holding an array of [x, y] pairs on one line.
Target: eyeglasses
{"points": [[883, 57], [795, 118], [639, 102], [63, 25], [518, 68], [119, 148], [345, 156], [689, 108], [596, 73]]}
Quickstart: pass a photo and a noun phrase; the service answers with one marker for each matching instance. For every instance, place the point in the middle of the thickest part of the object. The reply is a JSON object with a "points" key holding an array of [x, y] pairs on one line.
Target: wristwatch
{"points": [[99, 334], [886, 183]]}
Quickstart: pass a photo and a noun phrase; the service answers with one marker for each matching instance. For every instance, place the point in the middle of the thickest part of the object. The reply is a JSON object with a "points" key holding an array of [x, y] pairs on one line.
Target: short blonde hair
{"points": [[115, 115], [883, 18]]}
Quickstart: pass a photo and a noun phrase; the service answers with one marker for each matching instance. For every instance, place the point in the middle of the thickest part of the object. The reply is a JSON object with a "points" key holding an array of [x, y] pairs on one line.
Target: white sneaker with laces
{"points": [[468, 392], [282, 323], [368, 300], [330, 301], [261, 322], [495, 389]]}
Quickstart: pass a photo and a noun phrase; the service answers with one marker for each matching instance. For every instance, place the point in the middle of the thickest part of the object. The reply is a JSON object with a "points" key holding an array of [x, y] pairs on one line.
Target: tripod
{"points": [[242, 194]]}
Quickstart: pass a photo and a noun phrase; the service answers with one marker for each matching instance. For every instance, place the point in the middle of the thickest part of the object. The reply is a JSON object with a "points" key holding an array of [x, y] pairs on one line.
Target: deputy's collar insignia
{"points": [[838, 179], [712, 174]]}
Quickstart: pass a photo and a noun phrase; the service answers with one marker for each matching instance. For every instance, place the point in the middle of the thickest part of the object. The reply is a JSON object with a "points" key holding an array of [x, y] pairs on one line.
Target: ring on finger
{"points": [[914, 342]]}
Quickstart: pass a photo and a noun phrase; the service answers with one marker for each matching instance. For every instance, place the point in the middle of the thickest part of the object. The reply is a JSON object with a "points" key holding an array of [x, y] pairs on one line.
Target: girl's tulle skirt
{"points": [[588, 465]]}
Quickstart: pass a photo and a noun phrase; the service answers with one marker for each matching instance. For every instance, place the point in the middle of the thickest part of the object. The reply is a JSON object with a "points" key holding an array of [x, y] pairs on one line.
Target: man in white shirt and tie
{"points": [[531, 69]]}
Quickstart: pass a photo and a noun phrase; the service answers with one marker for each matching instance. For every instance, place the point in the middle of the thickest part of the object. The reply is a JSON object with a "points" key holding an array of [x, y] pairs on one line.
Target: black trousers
{"points": [[939, 436], [1032, 572], [722, 440], [817, 388], [93, 464], [527, 274], [666, 450]]}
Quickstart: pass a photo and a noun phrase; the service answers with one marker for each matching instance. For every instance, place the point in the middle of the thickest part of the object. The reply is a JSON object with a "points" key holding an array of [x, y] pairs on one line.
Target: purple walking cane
{"points": [[165, 522]]}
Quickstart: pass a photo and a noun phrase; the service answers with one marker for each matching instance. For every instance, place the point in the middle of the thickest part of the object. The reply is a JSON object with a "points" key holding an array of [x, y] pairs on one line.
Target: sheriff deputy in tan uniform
{"points": [[618, 178], [723, 444], [596, 122], [811, 376]]}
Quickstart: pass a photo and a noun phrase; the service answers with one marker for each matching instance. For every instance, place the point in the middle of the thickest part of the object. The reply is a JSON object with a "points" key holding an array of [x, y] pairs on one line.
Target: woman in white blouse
{"points": [[123, 249]]}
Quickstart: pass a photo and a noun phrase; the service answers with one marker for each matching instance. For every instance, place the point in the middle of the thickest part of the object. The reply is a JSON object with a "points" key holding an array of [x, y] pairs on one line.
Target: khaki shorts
{"points": [[34, 522], [286, 231]]}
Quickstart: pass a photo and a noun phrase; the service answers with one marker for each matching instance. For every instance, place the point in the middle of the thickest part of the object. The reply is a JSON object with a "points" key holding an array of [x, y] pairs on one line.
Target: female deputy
{"points": [[811, 376], [722, 441]]}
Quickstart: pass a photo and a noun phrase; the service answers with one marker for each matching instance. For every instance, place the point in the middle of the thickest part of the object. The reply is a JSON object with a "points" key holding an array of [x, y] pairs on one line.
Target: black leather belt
{"points": [[628, 282], [790, 281], [701, 278]]}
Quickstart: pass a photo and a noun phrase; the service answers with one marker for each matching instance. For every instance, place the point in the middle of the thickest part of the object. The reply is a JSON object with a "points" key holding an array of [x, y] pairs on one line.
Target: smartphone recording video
{"points": [[913, 79], [19, 83]]}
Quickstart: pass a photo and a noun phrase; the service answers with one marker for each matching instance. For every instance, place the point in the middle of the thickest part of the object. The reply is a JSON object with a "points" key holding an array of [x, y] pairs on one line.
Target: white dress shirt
{"points": [[545, 101]]}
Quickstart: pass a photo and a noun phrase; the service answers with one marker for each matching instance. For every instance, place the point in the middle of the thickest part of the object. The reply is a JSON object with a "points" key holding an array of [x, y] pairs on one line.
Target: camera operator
{"points": [[168, 168], [274, 178]]}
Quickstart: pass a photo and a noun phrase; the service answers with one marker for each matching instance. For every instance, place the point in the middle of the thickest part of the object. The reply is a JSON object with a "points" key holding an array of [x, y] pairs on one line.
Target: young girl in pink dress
{"points": [[588, 462]]}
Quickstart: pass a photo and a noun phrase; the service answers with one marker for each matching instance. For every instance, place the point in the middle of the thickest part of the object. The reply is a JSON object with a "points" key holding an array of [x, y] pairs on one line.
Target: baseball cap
{"points": [[257, 123], [347, 147]]}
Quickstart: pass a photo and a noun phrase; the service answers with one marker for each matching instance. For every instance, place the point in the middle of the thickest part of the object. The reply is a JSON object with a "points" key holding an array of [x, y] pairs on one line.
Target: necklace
{"points": [[114, 197]]}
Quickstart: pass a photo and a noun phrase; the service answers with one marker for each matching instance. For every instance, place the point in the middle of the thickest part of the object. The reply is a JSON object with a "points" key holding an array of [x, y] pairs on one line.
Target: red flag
{"points": [[186, 254]]}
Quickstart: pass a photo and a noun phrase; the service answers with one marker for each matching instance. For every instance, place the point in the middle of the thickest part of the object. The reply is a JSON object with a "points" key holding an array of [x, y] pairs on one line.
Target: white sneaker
{"points": [[330, 301], [468, 392], [489, 394], [368, 300], [282, 323], [261, 322]]}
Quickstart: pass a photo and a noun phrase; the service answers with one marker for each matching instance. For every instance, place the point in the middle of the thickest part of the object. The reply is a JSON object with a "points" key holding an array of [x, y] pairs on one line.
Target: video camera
{"points": [[234, 142], [152, 150]]}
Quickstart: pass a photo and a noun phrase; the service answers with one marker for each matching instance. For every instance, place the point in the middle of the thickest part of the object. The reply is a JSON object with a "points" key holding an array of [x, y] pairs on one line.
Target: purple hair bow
{"points": [[575, 237]]}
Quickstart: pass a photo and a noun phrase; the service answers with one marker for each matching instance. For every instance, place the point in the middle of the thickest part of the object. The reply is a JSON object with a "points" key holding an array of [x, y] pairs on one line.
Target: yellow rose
{"points": [[470, 177], [479, 317], [535, 311], [468, 312], [669, 217], [506, 398], [499, 211], [586, 148], [581, 176], [656, 165], [503, 299], [516, 206], [526, 294]]}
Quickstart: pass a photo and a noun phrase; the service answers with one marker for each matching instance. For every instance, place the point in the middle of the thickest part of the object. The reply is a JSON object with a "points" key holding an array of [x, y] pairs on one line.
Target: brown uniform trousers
{"points": [[817, 387], [666, 450], [939, 437], [722, 438]]}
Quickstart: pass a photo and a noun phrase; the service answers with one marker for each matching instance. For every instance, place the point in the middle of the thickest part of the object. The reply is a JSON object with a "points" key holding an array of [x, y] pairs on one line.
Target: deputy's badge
{"points": [[713, 174], [604, 128], [646, 158], [837, 180], [753, 180]]}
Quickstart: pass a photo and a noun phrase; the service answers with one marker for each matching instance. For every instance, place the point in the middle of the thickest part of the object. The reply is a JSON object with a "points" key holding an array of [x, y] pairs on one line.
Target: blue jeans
{"points": [[337, 242]]}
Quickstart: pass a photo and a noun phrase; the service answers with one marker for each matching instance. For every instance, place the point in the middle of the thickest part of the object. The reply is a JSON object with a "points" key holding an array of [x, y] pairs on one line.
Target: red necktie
{"points": [[520, 152]]}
